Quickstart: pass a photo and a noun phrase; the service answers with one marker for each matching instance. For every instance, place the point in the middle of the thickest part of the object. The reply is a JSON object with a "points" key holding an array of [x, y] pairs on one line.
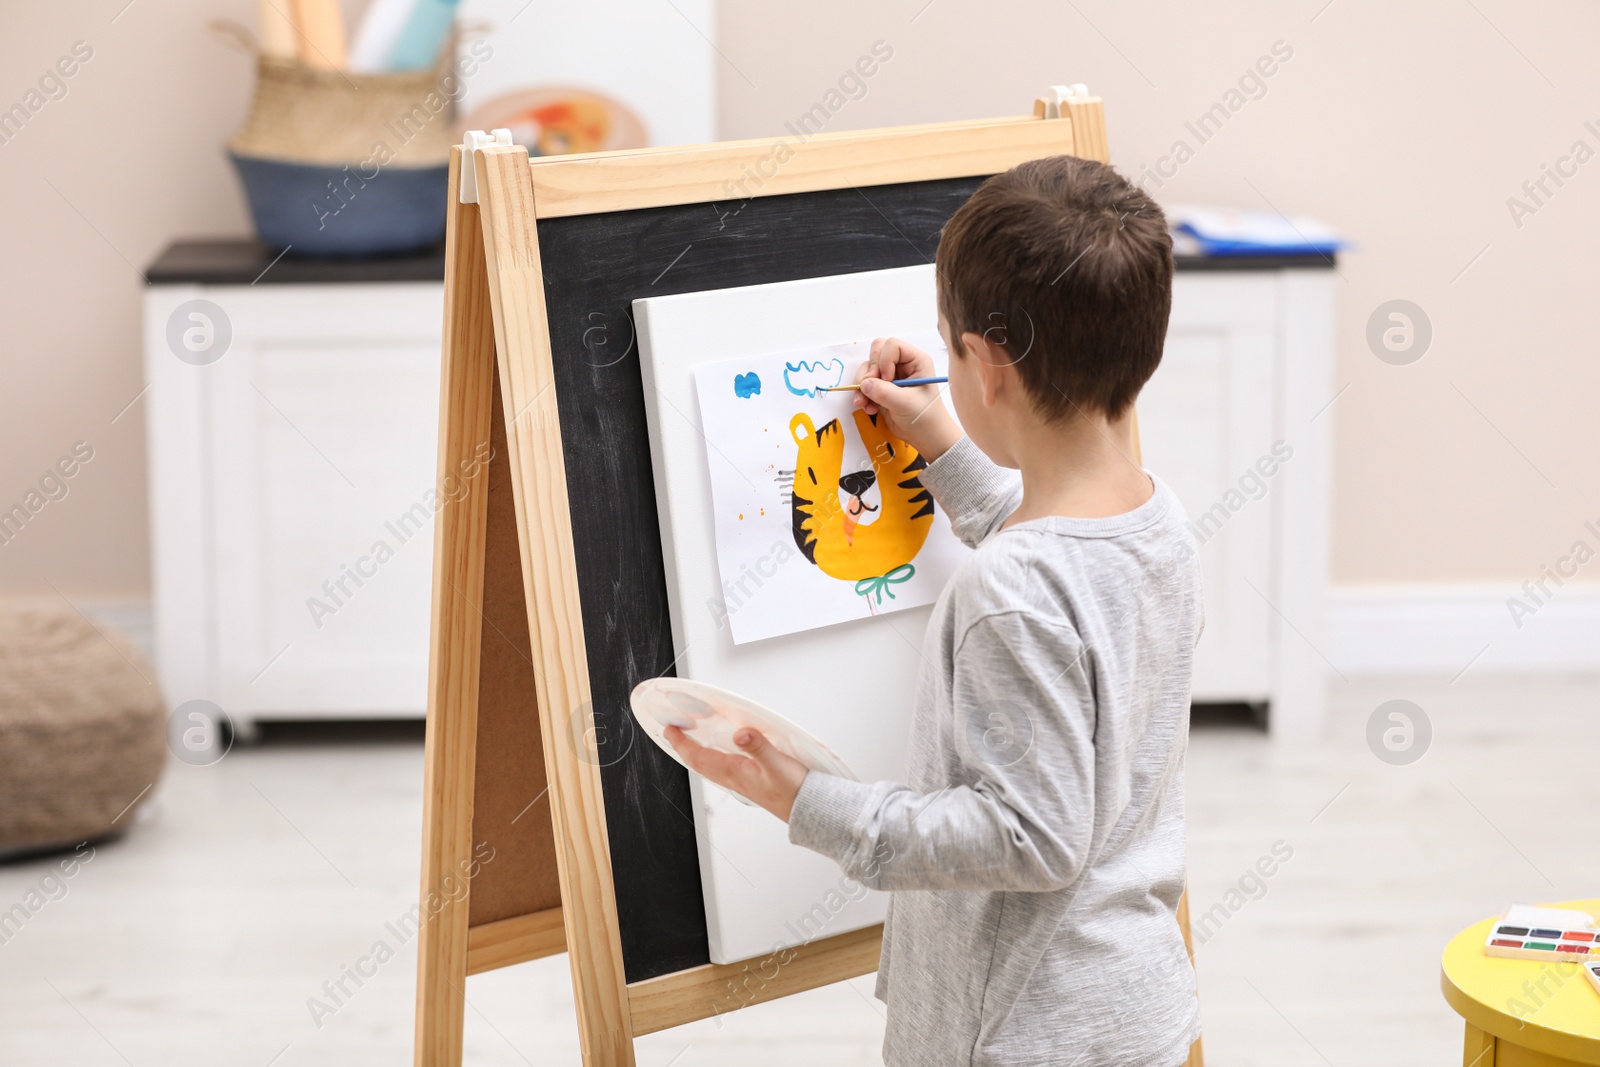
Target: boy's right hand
{"points": [[916, 414]]}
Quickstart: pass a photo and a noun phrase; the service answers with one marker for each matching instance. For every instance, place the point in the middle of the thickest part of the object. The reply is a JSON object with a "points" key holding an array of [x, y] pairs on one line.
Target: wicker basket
{"points": [[341, 164]]}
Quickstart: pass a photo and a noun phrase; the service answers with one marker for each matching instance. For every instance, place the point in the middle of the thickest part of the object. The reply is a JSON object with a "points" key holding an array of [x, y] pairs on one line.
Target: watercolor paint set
{"points": [[1526, 933]]}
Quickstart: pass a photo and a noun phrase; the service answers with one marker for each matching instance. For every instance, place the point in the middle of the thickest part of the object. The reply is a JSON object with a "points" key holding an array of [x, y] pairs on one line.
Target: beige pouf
{"points": [[82, 729]]}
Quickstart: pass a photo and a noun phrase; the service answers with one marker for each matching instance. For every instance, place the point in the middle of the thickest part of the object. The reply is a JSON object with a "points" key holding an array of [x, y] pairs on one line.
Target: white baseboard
{"points": [[1432, 629]]}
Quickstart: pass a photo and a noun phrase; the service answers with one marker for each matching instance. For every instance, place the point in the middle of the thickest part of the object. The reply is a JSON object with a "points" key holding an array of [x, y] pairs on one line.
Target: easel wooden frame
{"points": [[495, 306]]}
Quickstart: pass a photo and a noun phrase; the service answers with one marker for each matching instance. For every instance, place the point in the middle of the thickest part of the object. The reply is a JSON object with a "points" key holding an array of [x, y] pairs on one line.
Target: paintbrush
{"points": [[902, 381]]}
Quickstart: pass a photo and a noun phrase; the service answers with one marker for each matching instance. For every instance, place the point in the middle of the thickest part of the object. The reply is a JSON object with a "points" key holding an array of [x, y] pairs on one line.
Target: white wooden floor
{"points": [[202, 936]]}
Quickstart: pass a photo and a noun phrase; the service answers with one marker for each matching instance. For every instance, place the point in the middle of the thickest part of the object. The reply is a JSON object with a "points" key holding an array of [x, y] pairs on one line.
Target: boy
{"points": [[1036, 854]]}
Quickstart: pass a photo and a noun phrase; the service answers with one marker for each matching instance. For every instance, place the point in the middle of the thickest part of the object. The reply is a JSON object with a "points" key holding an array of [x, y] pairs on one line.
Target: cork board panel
{"points": [[510, 804]]}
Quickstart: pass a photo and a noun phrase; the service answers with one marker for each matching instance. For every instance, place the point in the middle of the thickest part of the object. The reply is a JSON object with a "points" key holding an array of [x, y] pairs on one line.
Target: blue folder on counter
{"points": [[1216, 231]]}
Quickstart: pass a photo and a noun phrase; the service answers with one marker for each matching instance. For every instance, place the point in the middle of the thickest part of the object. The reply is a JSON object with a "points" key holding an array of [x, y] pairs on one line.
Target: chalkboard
{"points": [[594, 266]]}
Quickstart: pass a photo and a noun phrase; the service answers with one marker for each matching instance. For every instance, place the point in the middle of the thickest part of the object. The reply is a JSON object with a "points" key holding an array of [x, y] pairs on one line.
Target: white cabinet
{"points": [[292, 497], [292, 489], [1236, 420]]}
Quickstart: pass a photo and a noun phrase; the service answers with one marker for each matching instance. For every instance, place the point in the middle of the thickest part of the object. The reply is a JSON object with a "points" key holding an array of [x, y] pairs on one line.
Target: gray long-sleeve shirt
{"points": [[1036, 852]]}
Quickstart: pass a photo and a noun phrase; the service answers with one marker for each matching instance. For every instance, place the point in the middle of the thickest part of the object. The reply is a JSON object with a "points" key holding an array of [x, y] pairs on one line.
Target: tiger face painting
{"points": [[834, 526]]}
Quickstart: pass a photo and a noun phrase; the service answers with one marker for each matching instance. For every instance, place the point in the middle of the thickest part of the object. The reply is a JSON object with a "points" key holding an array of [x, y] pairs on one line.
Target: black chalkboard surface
{"points": [[594, 267]]}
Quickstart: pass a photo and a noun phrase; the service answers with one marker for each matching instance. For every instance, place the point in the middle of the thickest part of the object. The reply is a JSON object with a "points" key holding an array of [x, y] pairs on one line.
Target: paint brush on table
{"points": [[901, 381]]}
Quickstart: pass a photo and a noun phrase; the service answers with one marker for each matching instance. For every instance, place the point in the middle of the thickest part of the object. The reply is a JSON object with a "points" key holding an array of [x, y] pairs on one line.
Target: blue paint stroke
{"points": [[746, 386], [812, 375]]}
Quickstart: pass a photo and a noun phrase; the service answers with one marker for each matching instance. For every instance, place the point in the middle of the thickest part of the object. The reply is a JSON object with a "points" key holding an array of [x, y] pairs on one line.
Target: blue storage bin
{"points": [[317, 209], [341, 164]]}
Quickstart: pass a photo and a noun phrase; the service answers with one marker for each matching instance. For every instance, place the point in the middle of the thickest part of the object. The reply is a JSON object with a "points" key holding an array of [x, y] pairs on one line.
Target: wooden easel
{"points": [[513, 871]]}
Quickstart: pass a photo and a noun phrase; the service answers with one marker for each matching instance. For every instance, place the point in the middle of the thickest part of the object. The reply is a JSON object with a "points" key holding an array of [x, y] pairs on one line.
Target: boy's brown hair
{"points": [[1067, 267]]}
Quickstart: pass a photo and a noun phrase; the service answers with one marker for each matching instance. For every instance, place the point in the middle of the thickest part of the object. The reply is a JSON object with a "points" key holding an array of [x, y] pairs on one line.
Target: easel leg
{"points": [[1196, 1055], [453, 669], [555, 620]]}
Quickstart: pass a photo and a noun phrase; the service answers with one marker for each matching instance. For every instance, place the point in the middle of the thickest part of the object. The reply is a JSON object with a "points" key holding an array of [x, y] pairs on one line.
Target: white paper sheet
{"points": [[819, 514]]}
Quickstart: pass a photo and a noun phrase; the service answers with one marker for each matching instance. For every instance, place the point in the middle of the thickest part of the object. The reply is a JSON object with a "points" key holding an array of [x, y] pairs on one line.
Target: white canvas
{"points": [[851, 684], [818, 512]]}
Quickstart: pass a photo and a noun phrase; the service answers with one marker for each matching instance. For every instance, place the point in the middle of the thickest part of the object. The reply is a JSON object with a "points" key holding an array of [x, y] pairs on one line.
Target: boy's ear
{"points": [[996, 375]]}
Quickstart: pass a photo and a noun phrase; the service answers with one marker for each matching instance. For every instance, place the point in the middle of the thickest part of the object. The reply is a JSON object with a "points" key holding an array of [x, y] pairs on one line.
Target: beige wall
{"points": [[94, 186], [1407, 129], [1405, 125], [132, 155]]}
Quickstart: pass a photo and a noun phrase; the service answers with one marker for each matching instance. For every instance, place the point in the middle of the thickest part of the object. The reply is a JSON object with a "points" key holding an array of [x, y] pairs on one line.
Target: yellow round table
{"points": [[1521, 1013]]}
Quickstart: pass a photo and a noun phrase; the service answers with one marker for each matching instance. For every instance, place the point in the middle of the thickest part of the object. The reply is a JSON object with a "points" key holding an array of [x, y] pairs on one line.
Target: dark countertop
{"points": [[241, 261], [244, 261]]}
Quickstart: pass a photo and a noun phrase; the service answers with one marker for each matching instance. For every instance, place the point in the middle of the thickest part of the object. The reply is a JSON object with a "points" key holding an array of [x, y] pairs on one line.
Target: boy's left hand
{"points": [[763, 774]]}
